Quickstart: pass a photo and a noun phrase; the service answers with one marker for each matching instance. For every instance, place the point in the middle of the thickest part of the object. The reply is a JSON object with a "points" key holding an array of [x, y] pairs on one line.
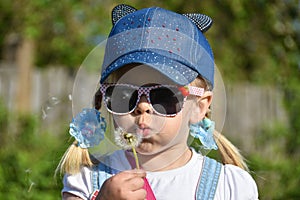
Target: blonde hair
{"points": [[76, 157], [73, 159], [229, 153]]}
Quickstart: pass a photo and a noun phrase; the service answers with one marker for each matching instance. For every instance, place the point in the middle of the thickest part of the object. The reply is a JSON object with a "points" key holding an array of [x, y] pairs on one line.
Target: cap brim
{"points": [[178, 72]]}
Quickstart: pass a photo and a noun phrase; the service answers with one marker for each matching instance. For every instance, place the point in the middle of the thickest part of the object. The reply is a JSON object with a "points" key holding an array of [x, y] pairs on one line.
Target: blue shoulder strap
{"points": [[100, 173], [209, 179]]}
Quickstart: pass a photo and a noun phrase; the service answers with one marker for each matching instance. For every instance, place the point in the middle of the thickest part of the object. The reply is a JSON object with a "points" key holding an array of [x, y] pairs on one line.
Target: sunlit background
{"points": [[43, 43]]}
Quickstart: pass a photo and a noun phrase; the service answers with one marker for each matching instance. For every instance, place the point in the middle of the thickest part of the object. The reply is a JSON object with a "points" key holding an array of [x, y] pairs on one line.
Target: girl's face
{"points": [[158, 132]]}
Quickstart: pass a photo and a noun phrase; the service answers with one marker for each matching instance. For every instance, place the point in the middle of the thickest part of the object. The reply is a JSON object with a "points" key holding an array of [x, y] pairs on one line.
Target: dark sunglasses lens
{"points": [[166, 101], [120, 99]]}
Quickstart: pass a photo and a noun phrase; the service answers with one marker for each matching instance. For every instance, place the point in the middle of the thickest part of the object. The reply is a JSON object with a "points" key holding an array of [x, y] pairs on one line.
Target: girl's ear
{"points": [[201, 107]]}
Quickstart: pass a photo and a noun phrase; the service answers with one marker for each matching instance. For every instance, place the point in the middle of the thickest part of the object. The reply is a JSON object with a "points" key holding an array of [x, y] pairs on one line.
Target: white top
{"points": [[234, 183]]}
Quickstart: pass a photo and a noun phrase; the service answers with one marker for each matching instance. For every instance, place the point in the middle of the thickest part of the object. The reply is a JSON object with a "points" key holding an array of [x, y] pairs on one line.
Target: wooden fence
{"points": [[248, 107]]}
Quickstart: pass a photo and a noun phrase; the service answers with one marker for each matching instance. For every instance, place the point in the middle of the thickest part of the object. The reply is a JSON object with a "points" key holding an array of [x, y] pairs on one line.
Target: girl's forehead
{"points": [[140, 75]]}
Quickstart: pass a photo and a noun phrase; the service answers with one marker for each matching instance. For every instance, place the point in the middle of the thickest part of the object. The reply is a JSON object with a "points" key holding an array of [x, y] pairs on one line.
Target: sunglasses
{"points": [[165, 100]]}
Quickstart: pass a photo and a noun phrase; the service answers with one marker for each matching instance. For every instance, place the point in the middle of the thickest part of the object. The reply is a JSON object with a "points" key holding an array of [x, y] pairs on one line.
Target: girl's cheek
{"points": [[124, 121], [158, 123]]}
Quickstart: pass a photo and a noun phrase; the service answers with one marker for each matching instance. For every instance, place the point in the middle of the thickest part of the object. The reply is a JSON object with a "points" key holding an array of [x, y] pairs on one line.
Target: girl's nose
{"points": [[143, 106]]}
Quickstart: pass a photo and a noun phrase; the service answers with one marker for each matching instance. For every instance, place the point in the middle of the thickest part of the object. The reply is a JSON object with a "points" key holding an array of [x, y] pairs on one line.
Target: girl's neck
{"points": [[171, 158]]}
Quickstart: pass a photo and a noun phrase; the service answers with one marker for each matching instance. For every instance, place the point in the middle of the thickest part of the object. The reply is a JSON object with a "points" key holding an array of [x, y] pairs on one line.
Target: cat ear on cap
{"points": [[203, 22], [120, 11]]}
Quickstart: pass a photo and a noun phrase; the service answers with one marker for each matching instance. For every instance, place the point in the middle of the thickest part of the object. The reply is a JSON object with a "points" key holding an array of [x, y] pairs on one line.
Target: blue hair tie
{"points": [[88, 128], [204, 130]]}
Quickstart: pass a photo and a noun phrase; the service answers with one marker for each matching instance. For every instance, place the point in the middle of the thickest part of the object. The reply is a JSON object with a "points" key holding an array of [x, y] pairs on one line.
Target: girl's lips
{"points": [[144, 132]]}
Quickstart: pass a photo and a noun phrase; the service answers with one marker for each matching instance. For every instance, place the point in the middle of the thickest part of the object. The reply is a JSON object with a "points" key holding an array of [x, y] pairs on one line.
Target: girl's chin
{"points": [[145, 147], [148, 148]]}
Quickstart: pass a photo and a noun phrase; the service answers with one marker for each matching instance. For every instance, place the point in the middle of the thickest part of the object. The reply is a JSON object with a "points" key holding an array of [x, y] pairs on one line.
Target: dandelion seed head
{"points": [[126, 140]]}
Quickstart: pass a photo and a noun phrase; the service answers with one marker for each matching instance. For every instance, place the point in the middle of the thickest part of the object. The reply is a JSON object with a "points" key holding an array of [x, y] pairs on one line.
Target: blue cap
{"points": [[167, 41]]}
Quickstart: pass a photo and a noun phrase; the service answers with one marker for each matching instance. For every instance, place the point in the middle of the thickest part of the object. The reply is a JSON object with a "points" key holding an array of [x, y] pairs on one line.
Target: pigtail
{"points": [[229, 153], [74, 158]]}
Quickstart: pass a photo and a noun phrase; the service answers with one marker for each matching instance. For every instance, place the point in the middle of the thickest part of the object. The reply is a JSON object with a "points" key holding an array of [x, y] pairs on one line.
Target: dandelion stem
{"points": [[135, 158], [130, 139]]}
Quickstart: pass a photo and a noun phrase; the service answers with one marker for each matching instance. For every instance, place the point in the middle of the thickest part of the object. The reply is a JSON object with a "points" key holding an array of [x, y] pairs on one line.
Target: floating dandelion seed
{"points": [[49, 105], [128, 141], [30, 187]]}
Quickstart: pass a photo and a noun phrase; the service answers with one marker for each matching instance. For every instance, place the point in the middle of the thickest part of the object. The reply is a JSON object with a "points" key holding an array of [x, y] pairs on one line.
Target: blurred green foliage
{"points": [[275, 169], [255, 41], [29, 156]]}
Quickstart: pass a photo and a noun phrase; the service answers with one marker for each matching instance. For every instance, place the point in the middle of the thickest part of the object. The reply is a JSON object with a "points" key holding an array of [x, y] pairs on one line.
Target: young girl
{"points": [[156, 84]]}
